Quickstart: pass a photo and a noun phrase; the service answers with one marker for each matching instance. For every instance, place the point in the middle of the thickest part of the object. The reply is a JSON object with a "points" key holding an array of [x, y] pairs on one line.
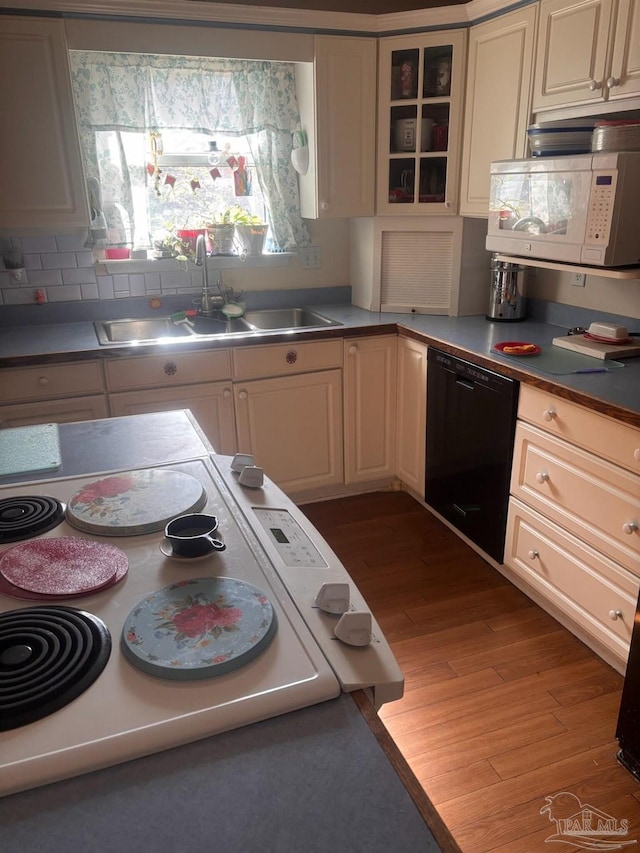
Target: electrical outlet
{"points": [[578, 279], [310, 257]]}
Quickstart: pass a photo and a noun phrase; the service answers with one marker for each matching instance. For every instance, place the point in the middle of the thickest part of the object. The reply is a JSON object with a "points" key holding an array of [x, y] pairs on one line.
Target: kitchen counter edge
{"points": [[616, 394]]}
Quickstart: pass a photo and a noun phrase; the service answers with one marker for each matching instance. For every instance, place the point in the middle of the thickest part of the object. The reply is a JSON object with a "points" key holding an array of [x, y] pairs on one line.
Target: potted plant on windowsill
{"points": [[233, 227]]}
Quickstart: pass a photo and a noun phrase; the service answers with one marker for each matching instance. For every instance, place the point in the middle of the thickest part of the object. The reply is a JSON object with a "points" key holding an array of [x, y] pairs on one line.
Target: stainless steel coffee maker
{"points": [[508, 302]]}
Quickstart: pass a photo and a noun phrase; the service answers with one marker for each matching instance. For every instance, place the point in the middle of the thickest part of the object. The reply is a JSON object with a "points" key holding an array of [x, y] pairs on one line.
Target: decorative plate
{"points": [[517, 348], [198, 628], [62, 565], [7, 588], [135, 502]]}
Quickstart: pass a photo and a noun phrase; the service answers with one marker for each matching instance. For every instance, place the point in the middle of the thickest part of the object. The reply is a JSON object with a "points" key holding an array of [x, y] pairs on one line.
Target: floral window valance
{"points": [[142, 93]]}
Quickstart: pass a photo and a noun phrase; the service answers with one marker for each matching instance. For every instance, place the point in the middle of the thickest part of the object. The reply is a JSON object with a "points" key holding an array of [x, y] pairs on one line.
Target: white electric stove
{"points": [[132, 707]]}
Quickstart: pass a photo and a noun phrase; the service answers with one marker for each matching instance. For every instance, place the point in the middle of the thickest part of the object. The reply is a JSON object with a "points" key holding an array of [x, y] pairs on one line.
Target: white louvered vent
{"points": [[416, 271]]}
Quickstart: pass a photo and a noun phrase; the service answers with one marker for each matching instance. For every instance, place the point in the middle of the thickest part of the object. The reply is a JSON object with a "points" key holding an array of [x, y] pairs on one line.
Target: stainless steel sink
{"points": [[287, 318], [131, 331]]}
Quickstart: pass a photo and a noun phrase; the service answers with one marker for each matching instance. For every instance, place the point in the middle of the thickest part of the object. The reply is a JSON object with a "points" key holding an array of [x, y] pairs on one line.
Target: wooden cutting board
{"points": [[596, 349]]}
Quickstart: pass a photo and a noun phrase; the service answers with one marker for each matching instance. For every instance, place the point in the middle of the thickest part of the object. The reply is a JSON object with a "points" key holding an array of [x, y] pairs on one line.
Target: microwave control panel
{"points": [[603, 191]]}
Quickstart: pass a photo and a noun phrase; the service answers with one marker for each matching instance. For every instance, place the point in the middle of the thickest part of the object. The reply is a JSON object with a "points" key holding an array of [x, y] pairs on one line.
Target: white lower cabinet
{"points": [[288, 405], [211, 404], [411, 414], [369, 408], [55, 411], [593, 591], [293, 427], [199, 381], [573, 528], [58, 393]]}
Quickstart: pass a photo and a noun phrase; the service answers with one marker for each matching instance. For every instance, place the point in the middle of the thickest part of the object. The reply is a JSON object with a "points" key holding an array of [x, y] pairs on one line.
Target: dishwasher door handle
{"points": [[465, 383]]}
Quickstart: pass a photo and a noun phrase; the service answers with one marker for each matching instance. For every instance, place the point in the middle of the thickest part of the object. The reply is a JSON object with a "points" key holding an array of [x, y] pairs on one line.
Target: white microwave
{"points": [[582, 209]]}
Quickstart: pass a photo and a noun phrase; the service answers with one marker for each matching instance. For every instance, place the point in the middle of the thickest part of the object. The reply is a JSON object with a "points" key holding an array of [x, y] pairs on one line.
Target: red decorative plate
{"points": [[7, 588], [61, 565], [532, 349]]}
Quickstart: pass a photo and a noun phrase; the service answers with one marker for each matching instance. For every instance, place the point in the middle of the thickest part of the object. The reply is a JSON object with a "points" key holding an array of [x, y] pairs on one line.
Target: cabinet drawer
{"points": [[609, 438], [49, 382], [595, 500], [592, 590], [172, 368], [64, 411], [283, 359]]}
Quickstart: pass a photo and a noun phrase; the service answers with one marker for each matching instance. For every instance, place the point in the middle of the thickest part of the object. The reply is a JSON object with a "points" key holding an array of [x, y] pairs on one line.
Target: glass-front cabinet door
{"points": [[420, 122]]}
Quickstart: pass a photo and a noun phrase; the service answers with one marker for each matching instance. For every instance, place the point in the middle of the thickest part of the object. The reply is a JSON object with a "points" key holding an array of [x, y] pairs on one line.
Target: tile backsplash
{"points": [[58, 268]]}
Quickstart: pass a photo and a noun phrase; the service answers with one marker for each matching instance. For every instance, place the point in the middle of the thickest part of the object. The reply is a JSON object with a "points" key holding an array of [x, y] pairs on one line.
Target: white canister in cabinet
{"points": [[404, 134]]}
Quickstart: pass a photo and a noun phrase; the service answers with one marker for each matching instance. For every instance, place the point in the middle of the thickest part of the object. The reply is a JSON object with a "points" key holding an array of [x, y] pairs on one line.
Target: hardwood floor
{"points": [[503, 707]]}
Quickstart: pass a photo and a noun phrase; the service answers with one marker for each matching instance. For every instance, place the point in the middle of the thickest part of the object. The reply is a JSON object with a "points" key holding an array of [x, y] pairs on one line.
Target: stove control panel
{"points": [[289, 539], [357, 650]]}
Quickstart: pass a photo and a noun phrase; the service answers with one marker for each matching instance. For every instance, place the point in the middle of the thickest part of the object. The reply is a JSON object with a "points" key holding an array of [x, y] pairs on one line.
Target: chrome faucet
{"points": [[208, 303]]}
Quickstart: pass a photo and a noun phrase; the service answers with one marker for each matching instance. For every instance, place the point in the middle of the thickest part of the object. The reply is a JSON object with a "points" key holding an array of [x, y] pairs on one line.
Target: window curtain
{"points": [[140, 92]]}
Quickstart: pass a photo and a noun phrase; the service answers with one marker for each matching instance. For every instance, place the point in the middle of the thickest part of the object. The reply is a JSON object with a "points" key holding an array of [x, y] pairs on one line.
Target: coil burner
{"points": [[25, 517], [48, 656]]}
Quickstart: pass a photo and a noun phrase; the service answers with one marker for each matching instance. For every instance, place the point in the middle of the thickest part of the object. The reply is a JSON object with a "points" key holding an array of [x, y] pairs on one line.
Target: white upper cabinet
{"points": [[624, 79], [337, 101], [420, 98], [495, 128], [41, 176], [588, 53]]}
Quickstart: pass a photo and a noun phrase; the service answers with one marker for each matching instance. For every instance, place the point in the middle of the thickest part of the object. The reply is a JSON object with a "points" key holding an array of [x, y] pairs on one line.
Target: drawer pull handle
{"points": [[594, 85], [353, 349], [630, 527], [226, 393], [171, 368], [542, 477], [612, 82], [549, 414], [534, 554], [636, 454], [243, 395], [291, 357], [615, 614], [43, 381]]}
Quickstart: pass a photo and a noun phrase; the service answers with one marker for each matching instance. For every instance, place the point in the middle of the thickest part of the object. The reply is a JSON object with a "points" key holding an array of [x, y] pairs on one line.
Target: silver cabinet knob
{"points": [[542, 477], [243, 395], [43, 381], [612, 82], [630, 527], [353, 349], [533, 554], [615, 614], [636, 454], [594, 85], [549, 414], [226, 393]]}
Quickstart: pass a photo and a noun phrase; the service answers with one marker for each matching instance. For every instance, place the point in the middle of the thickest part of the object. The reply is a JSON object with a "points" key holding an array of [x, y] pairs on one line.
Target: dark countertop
{"points": [[615, 393], [324, 778]]}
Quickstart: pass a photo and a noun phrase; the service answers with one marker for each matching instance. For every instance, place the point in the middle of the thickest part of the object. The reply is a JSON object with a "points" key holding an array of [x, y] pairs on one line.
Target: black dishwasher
{"points": [[471, 418]]}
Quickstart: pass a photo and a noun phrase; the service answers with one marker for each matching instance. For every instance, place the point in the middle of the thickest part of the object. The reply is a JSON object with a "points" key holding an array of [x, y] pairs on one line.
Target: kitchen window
{"points": [[165, 137]]}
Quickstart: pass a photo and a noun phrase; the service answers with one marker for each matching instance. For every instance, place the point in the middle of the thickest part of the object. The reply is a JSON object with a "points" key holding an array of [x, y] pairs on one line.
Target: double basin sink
{"points": [[130, 331]]}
